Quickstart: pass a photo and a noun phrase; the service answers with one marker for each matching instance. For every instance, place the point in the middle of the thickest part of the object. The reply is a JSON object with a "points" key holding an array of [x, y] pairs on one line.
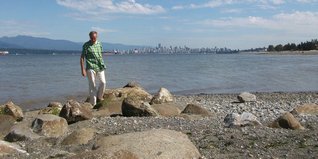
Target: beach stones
{"points": [[246, 97], [237, 120], [50, 125], [287, 121], [306, 109], [7, 148], [193, 109], [73, 112], [163, 96], [157, 143], [11, 109], [80, 136], [136, 107]]}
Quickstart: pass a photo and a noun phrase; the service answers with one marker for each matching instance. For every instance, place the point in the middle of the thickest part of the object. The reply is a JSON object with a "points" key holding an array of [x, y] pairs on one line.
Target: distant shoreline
{"points": [[311, 52]]}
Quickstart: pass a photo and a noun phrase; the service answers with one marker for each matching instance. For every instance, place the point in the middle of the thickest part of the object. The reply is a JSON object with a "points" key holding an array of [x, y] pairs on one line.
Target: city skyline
{"points": [[203, 23]]}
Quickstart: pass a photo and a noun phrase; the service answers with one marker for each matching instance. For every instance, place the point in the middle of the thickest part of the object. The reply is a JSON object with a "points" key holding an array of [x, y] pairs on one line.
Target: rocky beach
{"points": [[131, 123]]}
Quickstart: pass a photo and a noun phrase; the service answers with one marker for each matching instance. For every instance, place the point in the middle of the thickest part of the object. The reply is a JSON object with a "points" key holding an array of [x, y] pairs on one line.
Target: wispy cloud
{"points": [[98, 9], [296, 22], [264, 4], [14, 27], [307, 1], [102, 30]]}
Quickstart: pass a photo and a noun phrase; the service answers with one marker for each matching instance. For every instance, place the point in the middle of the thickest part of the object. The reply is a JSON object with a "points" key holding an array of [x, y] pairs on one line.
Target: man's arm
{"points": [[82, 65]]}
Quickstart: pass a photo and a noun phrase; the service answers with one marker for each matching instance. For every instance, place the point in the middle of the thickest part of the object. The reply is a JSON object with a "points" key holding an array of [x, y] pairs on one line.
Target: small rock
{"points": [[73, 112], [132, 84], [55, 104], [167, 109], [50, 125], [50, 110], [133, 92], [78, 137], [136, 107], [6, 123], [306, 109], [245, 119], [287, 121], [11, 109], [246, 97], [87, 105], [163, 96], [195, 109]]}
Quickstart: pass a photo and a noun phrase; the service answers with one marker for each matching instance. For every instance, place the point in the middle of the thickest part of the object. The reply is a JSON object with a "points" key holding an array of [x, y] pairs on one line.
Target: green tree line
{"points": [[303, 46]]}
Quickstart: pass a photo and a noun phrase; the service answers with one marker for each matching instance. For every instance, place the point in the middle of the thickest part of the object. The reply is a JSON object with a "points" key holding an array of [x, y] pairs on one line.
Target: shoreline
{"points": [[82, 97]]}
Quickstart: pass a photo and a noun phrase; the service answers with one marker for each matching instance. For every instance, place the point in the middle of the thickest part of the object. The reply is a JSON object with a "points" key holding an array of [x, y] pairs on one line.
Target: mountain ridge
{"points": [[30, 42]]}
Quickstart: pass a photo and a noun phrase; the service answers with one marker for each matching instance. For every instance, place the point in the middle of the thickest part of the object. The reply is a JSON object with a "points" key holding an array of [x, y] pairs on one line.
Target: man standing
{"points": [[95, 67]]}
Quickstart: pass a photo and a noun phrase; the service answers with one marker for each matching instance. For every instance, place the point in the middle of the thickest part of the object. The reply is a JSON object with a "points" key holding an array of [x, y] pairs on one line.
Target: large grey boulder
{"points": [[163, 96], [237, 120], [50, 125], [287, 121], [246, 97], [11, 109], [73, 112], [136, 107], [21, 132], [7, 148], [157, 143]]}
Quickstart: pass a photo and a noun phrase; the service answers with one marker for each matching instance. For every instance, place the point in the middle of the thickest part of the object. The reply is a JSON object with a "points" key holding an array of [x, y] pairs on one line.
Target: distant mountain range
{"points": [[29, 42]]}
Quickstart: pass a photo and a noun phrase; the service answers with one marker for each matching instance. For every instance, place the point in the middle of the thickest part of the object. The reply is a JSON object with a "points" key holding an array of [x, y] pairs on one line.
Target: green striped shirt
{"points": [[93, 55]]}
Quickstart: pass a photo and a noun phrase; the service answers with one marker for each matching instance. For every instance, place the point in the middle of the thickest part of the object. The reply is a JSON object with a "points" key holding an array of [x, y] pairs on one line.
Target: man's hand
{"points": [[82, 66], [83, 72]]}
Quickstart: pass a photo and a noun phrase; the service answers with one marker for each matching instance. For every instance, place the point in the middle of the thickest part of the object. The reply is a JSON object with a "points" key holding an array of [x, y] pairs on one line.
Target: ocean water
{"points": [[32, 81]]}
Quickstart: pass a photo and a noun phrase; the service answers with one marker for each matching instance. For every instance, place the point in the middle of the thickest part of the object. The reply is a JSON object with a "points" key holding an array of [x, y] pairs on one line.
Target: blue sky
{"points": [[196, 23]]}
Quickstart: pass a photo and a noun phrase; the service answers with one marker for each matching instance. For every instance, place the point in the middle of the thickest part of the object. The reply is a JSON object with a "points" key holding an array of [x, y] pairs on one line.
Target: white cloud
{"points": [[231, 10], [264, 4], [293, 23], [307, 1], [98, 9]]}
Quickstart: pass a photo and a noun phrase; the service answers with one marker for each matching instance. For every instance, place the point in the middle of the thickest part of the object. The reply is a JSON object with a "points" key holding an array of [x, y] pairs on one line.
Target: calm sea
{"points": [[34, 80]]}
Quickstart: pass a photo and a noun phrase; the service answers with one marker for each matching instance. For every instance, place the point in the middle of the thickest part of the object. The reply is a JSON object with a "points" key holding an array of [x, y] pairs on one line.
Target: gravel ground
{"points": [[209, 134]]}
